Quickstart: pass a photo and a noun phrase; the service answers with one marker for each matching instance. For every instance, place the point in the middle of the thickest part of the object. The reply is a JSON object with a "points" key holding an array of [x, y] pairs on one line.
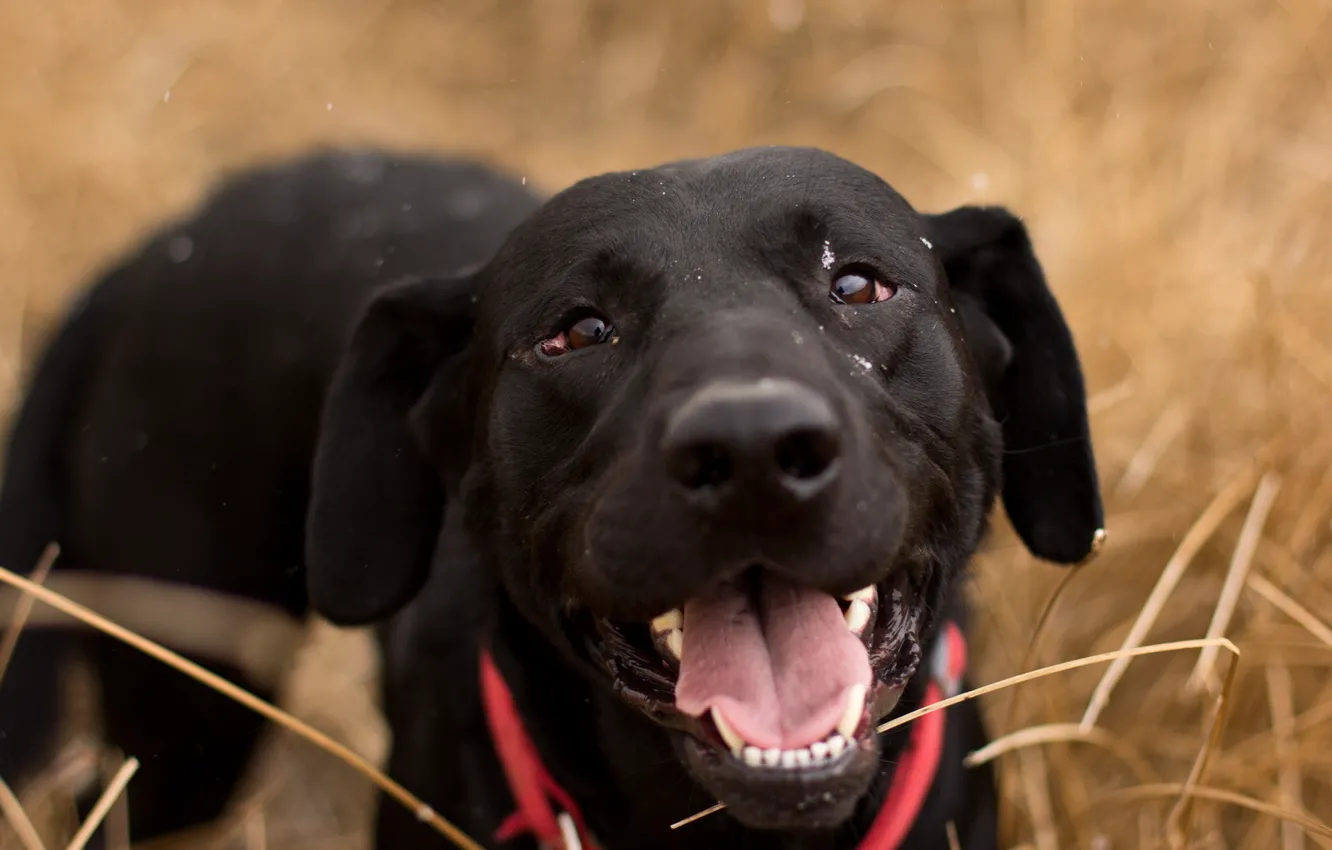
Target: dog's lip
{"points": [[643, 679]]}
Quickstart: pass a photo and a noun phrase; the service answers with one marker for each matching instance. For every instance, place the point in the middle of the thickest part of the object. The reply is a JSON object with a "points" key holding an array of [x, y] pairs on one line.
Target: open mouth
{"points": [[774, 683]]}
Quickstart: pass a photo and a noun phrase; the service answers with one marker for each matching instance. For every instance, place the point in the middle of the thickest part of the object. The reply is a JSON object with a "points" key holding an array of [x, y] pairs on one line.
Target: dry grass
{"points": [[1171, 159]]}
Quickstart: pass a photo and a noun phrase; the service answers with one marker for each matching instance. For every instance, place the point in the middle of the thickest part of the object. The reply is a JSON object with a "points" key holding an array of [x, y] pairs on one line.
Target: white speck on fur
{"points": [[980, 181], [862, 362], [828, 257], [799, 340], [928, 243], [166, 96], [328, 107], [524, 179], [180, 248]]}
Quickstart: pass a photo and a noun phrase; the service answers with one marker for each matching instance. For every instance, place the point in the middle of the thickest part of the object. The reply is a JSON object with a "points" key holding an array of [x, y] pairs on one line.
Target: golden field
{"points": [[1172, 160]]}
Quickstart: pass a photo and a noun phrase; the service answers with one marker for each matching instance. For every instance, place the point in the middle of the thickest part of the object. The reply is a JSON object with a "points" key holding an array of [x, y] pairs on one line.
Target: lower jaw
{"points": [[816, 797]]}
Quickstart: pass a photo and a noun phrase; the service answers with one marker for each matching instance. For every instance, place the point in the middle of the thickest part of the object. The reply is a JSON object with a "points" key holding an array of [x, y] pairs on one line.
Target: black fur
{"points": [[169, 429], [709, 270], [486, 492]]}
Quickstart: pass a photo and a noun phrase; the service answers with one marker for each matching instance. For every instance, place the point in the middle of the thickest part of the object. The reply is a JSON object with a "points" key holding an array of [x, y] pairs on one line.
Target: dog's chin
{"points": [[811, 787], [804, 798]]}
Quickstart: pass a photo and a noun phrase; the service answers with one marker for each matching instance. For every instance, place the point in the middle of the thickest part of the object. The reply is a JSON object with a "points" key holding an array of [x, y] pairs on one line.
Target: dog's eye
{"points": [[584, 333], [854, 286]]}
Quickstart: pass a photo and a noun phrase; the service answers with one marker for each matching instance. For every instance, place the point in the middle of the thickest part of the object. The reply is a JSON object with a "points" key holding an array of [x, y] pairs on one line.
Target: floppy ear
{"points": [[1026, 355], [377, 500]]}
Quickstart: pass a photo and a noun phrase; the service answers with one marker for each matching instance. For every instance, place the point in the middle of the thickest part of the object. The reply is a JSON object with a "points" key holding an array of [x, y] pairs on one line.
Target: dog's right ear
{"points": [[377, 500], [1027, 357]]}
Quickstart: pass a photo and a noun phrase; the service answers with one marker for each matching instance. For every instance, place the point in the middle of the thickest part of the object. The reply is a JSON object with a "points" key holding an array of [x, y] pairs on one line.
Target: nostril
{"points": [[702, 466], [807, 453]]}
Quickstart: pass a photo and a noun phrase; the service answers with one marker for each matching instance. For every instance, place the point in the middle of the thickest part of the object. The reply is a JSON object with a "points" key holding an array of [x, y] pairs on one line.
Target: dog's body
{"points": [[664, 393], [170, 425]]}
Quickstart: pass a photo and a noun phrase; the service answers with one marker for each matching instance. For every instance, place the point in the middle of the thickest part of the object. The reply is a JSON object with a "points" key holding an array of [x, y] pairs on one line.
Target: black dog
{"points": [[169, 430], [718, 440]]}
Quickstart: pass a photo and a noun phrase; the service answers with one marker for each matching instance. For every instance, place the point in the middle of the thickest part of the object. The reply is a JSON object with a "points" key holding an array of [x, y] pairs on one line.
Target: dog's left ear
{"points": [[377, 496], [1024, 350]]}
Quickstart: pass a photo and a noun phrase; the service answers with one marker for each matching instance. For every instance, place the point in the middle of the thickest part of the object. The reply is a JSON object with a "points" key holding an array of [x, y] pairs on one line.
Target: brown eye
{"points": [[587, 332], [584, 333], [854, 287]]}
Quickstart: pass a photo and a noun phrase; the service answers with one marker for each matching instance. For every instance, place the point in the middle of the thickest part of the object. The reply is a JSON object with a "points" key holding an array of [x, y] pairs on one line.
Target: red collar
{"points": [[547, 812]]}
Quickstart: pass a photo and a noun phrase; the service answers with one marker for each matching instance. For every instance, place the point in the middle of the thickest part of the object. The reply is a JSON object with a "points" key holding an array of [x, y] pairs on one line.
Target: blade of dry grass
{"points": [[18, 819], [1197, 536], [1254, 745], [114, 789], [1164, 432], [259, 639], [240, 695], [1040, 808], [117, 819], [23, 608], [1281, 705], [9, 803], [1204, 672], [1177, 822], [1109, 397], [1034, 642], [1317, 506], [1062, 667], [1051, 733], [1308, 823], [1290, 608], [256, 833], [1305, 349], [1052, 670]]}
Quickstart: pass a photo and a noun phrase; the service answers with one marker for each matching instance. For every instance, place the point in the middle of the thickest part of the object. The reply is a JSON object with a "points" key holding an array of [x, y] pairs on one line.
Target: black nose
{"points": [[765, 439]]}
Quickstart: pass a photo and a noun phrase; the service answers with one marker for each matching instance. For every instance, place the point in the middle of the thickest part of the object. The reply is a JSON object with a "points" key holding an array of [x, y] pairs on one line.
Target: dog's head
{"points": [[726, 430]]}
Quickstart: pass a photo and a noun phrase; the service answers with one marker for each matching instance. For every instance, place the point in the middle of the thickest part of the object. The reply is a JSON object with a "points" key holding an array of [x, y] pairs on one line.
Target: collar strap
{"points": [[548, 813]]}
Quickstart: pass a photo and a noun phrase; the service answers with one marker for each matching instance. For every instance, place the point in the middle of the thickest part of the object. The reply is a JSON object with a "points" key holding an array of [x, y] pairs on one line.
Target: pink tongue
{"points": [[779, 675]]}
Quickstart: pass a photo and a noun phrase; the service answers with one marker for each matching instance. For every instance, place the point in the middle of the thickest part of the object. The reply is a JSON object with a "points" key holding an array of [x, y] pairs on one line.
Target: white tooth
{"points": [[734, 741], [753, 756], [675, 643], [866, 594], [672, 619], [819, 751], [772, 757], [836, 744], [802, 757], [857, 616], [788, 759], [855, 709]]}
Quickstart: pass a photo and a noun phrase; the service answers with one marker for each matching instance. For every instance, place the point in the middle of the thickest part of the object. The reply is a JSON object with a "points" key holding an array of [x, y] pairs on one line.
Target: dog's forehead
{"points": [[690, 208]]}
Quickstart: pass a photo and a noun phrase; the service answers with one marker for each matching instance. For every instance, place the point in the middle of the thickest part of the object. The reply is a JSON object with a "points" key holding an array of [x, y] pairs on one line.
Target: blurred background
{"points": [[1172, 161]]}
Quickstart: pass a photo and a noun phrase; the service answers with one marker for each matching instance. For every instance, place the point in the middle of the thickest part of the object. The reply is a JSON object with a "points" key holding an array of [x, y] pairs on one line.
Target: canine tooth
{"points": [[672, 619], [855, 709], [753, 756], [788, 759], [819, 751], [733, 740], [857, 616], [675, 643], [802, 757], [836, 745], [866, 594], [771, 758]]}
